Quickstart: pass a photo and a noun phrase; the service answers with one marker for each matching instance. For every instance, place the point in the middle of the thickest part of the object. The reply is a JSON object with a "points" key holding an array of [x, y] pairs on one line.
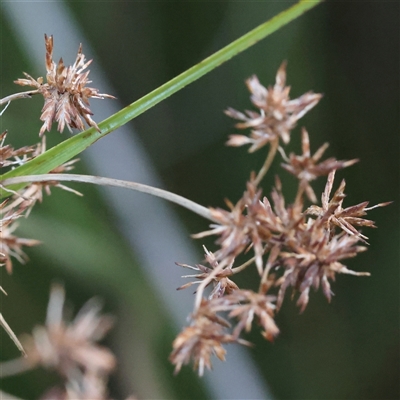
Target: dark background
{"points": [[349, 51]]}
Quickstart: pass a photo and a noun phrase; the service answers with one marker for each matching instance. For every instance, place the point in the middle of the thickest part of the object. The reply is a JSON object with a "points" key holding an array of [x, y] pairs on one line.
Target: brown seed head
{"points": [[306, 167], [334, 215], [312, 257], [200, 340], [222, 284], [277, 114], [245, 305], [66, 96]]}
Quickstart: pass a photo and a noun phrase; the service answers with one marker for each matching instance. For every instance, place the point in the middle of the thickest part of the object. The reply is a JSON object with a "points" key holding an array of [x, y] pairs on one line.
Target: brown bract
{"points": [[11, 245], [66, 96], [306, 167], [202, 339], [208, 332], [334, 215], [33, 193], [222, 284], [308, 251], [277, 115], [245, 305], [233, 231], [313, 257], [10, 156]]}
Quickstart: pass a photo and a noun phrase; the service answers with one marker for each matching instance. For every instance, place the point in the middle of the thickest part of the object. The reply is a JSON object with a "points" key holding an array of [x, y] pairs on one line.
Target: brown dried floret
{"points": [[313, 257], [202, 339], [277, 115], [66, 96], [222, 284], [11, 245], [238, 229], [245, 305], [232, 229], [33, 193], [10, 156], [306, 167], [282, 219], [334, 215]]}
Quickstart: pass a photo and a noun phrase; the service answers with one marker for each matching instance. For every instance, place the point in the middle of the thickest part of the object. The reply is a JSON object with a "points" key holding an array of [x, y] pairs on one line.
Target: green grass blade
{"points": [[73, 146]]}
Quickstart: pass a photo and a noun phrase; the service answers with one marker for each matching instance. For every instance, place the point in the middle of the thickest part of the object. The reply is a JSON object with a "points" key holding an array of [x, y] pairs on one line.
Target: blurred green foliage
{"points": [[348, 349]]}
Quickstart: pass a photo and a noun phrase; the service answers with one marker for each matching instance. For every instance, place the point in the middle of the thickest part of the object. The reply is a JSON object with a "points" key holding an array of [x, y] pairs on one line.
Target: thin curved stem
{"points": [[97, 180], [242, 267], [21, 95], [11, 333], [268, 161]]}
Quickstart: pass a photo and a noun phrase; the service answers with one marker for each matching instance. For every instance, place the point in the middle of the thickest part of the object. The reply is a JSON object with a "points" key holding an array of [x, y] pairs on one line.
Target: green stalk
{"points": [[71, 147]]}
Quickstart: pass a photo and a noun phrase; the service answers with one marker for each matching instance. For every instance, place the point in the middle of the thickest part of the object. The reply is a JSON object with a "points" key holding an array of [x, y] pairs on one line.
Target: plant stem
{"points": [[268, 161], [16, 96], [174, 198], [12, 335], [242, 267], [75, 145]]}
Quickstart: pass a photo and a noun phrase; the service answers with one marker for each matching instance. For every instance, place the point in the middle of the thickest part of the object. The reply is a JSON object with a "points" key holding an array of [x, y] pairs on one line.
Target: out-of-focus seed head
{"points": [[70, 347]]}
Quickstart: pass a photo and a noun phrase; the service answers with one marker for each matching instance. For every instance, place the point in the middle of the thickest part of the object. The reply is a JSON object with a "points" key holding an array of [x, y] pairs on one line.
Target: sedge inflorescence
{"points": [[66, 96], [290, 245], [293, 244]]}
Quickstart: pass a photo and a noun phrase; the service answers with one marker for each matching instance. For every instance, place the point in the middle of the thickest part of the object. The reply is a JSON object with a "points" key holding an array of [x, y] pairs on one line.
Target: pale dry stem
{"points": [[21, 95], [172, 197]]}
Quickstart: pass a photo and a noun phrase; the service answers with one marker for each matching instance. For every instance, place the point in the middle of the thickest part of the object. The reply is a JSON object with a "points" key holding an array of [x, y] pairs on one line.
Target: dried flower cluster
{"points": [[293, 246], [66, 96], [277, 114]]}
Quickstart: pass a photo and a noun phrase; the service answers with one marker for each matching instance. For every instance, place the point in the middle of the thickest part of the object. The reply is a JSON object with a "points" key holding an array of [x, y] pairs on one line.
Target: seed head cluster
{"points": [[294, 243], [290, 245]]}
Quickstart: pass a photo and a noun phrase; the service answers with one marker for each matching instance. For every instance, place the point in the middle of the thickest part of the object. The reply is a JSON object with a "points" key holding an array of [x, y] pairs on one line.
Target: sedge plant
{"points": [[294, 244]]}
